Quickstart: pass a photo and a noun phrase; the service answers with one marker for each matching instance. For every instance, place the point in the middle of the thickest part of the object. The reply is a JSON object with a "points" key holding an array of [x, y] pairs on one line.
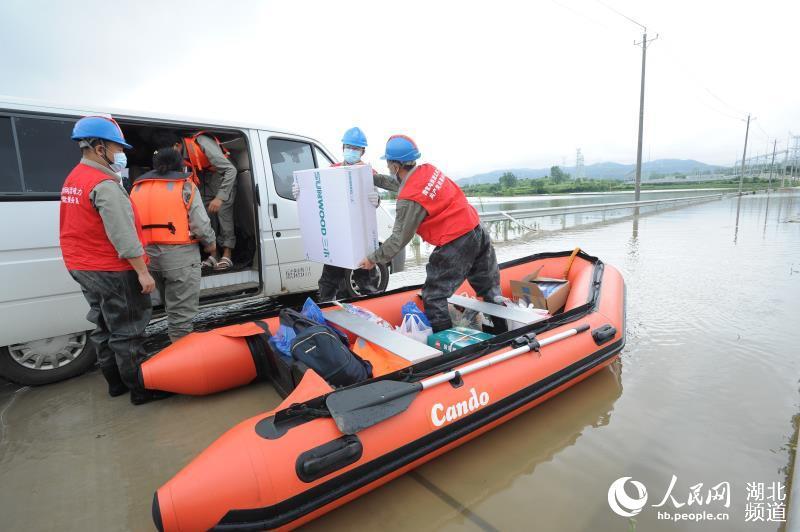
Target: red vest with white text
{"points": [[84, 243], [449, 213]]}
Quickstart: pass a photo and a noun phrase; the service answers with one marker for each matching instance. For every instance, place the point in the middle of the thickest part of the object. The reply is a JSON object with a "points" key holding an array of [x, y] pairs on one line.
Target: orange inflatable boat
{"points": [[323, 447]]}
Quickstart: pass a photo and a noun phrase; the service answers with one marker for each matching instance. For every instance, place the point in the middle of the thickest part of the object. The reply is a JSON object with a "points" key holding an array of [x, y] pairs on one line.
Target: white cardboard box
{"points": [[338, 223]]}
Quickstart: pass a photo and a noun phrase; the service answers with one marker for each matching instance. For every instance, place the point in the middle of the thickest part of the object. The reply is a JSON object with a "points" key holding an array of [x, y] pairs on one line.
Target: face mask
{"points": [[120, 162], [352, 156], [393, 173]]}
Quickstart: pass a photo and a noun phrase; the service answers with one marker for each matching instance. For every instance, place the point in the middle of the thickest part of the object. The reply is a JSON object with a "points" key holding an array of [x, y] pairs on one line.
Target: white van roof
{"points": [[38, 106]]}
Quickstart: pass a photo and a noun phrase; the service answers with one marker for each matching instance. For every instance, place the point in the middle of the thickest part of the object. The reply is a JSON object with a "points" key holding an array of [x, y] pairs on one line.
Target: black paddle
{"points": [[355, 409]]}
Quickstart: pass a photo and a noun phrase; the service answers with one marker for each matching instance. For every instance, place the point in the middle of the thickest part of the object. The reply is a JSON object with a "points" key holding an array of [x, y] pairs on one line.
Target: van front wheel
{"points": [[47, 360], [355, 285]]}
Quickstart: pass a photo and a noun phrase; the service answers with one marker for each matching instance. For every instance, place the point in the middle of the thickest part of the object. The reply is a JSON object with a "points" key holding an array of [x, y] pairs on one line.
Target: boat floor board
{"points": [[499, 311], [392, 341]]}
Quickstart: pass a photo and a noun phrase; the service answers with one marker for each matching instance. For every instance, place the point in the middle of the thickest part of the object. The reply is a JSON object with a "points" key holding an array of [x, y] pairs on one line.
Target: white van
{"points": [[43, 330]]}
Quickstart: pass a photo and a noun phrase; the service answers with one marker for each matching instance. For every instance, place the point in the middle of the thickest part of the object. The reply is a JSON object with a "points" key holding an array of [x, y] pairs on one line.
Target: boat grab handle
{"points": [[328, 457], [604, 333]]}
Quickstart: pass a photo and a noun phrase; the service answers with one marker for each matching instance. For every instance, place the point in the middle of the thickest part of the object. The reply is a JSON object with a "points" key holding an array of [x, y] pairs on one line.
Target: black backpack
{"points": [[327, 354], [298, 322]]}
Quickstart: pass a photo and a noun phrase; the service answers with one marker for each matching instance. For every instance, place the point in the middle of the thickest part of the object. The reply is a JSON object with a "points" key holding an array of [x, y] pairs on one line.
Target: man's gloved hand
{"points": [[374, 199], [295, 190]]}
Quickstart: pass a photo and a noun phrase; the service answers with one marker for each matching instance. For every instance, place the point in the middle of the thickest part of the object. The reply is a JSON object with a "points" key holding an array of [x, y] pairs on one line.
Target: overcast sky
{"points": [[479, 85]]}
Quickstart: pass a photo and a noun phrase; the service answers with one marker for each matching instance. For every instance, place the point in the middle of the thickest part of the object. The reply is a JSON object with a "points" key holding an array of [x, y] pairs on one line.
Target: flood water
{"points": [[706, 390], [517, 225]]}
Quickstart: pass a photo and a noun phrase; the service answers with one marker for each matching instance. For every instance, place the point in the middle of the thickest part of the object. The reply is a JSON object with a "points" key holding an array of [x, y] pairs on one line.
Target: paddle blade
{"points": [[357, 408]]}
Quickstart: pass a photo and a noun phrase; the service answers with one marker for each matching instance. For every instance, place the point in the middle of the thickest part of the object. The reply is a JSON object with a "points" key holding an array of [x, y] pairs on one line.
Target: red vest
{"points": [[84, 244], [449, 213]]}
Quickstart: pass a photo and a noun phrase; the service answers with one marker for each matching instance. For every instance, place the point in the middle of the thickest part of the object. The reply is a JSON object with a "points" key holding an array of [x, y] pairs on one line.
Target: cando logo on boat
{"points": [[441, 414], [621, 503]]}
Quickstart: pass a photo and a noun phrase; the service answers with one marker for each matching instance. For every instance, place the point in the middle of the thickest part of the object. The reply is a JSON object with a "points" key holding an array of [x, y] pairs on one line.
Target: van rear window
{"points": [[47, 152], [9, 167], [36, 155]]}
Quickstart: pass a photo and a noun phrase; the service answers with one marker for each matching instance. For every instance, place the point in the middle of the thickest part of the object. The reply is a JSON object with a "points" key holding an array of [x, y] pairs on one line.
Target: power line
{"points": [[688, 71], [711, 93], [723, 101], [740, 115], [762, 131], [582, 15], [623, 15]]}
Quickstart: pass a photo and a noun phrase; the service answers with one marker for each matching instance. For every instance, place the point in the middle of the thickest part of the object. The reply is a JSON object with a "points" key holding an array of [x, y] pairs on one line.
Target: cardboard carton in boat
{"points": [[542, 292], [338, 223], [456, 338]]}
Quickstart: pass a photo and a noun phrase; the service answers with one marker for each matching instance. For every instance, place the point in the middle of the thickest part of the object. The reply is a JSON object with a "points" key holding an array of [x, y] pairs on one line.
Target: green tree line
{"points": [[560, 182]]}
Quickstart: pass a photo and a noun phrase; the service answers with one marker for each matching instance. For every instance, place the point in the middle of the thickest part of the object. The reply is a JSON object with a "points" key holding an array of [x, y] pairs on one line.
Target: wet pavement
{"points": [[706, 390]]}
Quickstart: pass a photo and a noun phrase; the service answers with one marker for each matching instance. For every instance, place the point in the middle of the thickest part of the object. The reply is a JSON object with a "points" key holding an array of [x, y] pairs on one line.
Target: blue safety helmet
{"points": [[401, 148], [99, 127], [355, 137]]}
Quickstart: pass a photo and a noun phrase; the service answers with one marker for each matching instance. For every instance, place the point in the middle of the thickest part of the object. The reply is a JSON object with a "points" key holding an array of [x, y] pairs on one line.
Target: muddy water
{"points": [[706, 390]]}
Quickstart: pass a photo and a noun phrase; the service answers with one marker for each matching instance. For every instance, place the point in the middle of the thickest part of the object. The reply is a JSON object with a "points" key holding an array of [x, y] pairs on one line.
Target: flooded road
{"points": [[706, 391]]}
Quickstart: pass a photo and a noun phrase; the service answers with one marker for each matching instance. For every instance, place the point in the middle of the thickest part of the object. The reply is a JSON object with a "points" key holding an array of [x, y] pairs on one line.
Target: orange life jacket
{"points": [[196, 160], [162, 210]]}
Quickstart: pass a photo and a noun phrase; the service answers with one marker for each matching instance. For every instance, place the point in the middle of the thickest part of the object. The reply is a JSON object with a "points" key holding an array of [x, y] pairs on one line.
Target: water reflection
{"points": [[738, 210], [500, 203], [633, 242], [766, 217]]}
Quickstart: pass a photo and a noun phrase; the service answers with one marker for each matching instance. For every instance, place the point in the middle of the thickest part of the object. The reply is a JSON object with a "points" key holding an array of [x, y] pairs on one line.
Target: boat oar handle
{"points": [[533, 344]]}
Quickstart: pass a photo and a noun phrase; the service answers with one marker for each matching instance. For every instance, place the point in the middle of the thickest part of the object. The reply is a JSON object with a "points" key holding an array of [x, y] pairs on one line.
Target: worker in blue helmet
{"points": [[332, 281], [103, 249], [354, 144], [433, 206]]}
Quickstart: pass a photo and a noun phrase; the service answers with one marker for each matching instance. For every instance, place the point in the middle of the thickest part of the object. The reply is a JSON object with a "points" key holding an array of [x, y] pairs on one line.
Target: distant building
{"points": [[580, 171]]}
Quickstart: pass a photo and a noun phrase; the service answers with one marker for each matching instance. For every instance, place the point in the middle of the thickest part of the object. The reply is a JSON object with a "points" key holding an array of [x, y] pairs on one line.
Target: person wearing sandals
{"points": [[173, 221], [215, 175]]}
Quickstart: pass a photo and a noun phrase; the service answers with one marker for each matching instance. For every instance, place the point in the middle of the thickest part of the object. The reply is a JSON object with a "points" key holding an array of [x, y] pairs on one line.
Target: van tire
{"points": [[350, 287], [18, 373]]}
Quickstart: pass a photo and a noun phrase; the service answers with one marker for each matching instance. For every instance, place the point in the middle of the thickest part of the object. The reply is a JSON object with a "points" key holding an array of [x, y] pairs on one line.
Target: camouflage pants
{"points": [[469, 257]]}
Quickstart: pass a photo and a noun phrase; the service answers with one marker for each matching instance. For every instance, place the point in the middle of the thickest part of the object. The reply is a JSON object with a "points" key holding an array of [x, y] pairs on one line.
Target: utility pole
{"points": [[772, 164], [744, 153], [644, 44], [785, 161], [794, 156], [638, 183]]}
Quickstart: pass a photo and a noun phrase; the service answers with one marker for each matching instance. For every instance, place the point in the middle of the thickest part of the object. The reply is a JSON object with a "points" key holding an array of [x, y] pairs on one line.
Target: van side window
{"points": [[9, 167], [47, 152], [322, 159], [286, 156]]}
